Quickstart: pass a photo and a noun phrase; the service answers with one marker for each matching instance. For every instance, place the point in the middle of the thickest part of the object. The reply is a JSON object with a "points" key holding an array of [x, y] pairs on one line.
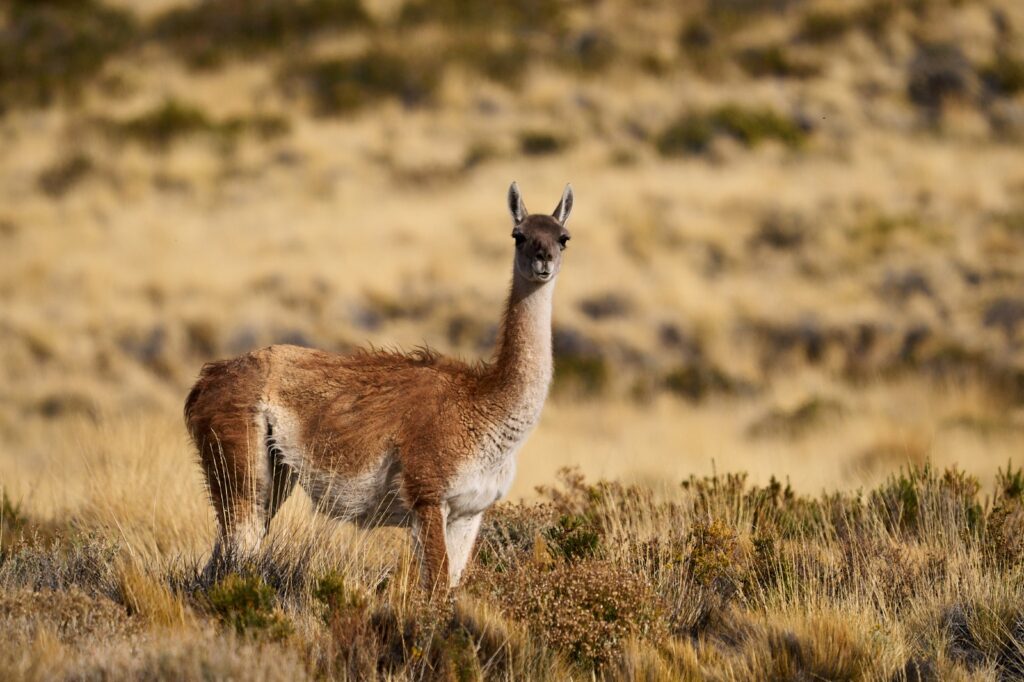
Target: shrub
{"points": [[587, 609], [59, 178], [689, 134], [938, 72], [173, 120], [796, 422], [339, 86], [50, 50], [574, 537], [205, 32], [821, 26], [698, 381], [247, 605], [541, 143], [1004, 75], [753, 126], [692, 133], [776, 61], [512, 15], [585, 374], [918, 500]]}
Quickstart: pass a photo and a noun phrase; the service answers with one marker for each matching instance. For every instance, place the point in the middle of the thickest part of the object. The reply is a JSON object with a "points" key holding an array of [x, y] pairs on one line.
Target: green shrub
{"points": [[541, 143], [207, 31], [339, 86], [50, 51], [574, 537], [584, 374], [511, 15], [689, 134], [1004, 75], [173, 120], [698, 381], [247, 604], [775, 61], [794, 423], [693, 132], [751, 126], [65, 174], [822, 26]]}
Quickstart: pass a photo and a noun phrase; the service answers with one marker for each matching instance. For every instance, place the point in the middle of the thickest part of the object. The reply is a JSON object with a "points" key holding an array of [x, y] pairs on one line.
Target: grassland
{"points": [[797, 254]]}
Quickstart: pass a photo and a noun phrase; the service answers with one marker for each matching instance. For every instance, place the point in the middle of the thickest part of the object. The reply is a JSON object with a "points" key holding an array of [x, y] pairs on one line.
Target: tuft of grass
{"points": [[339, 86]]}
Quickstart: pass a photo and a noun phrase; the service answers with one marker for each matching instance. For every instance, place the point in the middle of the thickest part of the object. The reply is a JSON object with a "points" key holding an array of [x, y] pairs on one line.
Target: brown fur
{"points": [[433, 413]]}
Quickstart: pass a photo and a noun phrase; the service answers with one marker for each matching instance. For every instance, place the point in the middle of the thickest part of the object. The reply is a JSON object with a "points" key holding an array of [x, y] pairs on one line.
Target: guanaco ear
{"points": [[515, 204], [564, 208]]}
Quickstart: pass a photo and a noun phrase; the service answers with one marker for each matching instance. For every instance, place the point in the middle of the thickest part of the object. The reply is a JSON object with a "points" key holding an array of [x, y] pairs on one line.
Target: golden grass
{"points": [[822, 313]]}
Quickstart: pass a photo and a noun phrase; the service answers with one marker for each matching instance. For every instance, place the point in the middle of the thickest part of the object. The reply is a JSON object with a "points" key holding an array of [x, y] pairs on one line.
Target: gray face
{"points": [[540, 239]]}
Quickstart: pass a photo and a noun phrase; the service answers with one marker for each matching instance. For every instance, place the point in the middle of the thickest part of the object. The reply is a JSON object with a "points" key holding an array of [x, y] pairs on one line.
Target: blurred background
{"points": [[797, 240]]}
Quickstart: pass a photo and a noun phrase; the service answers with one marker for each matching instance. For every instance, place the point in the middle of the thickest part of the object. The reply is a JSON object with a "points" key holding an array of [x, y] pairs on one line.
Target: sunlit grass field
{"points": [[794, 284]]}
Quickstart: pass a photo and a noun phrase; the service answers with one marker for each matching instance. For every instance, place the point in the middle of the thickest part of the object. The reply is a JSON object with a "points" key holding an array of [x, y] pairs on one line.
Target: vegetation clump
{"points": [[247, 604], [49, 51], [207, 32], [338, 86], [173, 120], [693, 132]]}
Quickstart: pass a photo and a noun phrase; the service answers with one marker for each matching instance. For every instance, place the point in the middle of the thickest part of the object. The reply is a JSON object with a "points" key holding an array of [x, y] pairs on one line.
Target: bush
{"points": [[587, 610], [794, 423], [698, 381], [692, 133], [775, 61], [937, 73], [50, 50], [541, 143], [205, 32], [247, 605], [574, 537], [821, 26], [1004, 75], [511, 15], [587, 375], [173, 120], [339, 86]]}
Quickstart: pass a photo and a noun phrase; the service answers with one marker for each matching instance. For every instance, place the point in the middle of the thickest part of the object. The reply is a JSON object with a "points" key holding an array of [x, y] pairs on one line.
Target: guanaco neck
{"points": [[523, 363]]}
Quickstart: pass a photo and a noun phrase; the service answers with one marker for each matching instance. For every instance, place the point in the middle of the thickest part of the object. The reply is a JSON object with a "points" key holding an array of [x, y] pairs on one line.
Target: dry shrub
{"points": [[71, 615], [587, 609]]}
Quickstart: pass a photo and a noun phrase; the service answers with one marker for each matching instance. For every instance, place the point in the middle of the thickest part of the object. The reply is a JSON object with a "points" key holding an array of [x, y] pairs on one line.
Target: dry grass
{"points": [[796, 253]]}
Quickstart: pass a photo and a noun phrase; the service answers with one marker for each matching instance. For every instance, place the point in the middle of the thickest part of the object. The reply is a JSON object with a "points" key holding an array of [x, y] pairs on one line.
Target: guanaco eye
{"points": [[563, 240], [519, 237]]}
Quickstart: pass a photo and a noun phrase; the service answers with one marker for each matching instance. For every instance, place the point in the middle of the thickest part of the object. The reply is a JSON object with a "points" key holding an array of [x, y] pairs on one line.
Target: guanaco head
{"points": [[540, 239]]}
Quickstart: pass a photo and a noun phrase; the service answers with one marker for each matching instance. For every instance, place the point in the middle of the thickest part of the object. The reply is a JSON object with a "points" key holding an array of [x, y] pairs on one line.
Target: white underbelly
{"points": [[481, 484]]}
